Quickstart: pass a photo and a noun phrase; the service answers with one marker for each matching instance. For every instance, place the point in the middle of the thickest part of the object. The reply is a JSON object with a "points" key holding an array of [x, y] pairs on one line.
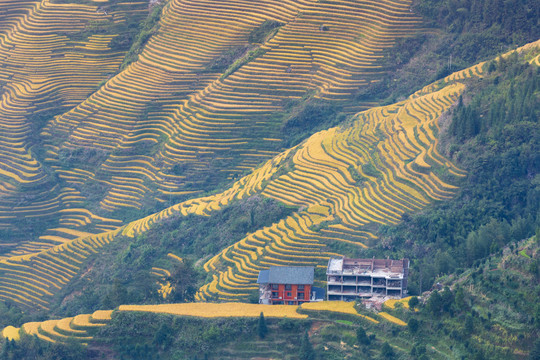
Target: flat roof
{"points": [[373, 267]]}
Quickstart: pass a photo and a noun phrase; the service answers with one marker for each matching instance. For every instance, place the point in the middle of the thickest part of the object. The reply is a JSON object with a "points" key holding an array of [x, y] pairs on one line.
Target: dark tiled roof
{"points": [[263, 277], [287, 275]]}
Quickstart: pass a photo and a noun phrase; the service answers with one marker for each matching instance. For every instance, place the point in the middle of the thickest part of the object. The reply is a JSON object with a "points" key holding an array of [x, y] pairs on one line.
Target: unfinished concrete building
{"points": [[349, 279]]}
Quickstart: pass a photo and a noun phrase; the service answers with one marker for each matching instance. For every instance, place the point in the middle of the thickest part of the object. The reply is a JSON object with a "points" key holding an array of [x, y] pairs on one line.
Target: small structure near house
{"points": [[287, 285], [350, 279]]}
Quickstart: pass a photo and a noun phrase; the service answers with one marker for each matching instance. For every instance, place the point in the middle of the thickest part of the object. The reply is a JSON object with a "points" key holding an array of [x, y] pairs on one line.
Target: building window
{"points": [[300, 287], [275, 286], [301, 296], [289, 294], [275, 294], [288, 286], [291, 302]]}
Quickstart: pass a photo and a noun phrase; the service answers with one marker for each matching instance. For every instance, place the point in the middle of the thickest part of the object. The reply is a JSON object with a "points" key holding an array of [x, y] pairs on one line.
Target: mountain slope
{"points": [[191, 112], [362, 174], [53, 55]]}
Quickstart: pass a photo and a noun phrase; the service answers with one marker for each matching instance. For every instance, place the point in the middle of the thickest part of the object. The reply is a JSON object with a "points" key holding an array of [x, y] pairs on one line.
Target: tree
{"points": [[535, 352], [306, 349], [262, 329], [116, 296], [434, 303], [537, 316], [163, 336], [362, 337], [413, 325], [386, 351], [447, 299], [459, 299], [184, 280], [418, 350], [413, 302], [254, 297]]}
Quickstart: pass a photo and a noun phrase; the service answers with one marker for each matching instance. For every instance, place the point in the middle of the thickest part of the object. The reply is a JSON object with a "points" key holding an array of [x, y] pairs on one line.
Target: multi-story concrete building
{"points": [[349, 279]]}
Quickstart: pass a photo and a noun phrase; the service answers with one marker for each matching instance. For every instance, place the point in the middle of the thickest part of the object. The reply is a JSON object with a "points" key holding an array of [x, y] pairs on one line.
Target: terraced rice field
{"points": [[373, 171], [31, 280], [335, 194], [346, 179], [52, 57], [78, 328], [392, 319], [11, 333], [336, 306], [391, 303], [81, 328], [214, 126], [169, 126]]}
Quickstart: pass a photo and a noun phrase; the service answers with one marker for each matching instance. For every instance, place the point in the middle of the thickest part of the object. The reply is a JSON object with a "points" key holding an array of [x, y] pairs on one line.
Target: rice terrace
{"points": [[295, 179]]}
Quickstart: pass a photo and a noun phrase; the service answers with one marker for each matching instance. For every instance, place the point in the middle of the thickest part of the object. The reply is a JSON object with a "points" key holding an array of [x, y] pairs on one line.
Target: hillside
{"points": [[167, 127], [185, 113], [400, 174], [161, 155], [486, 312], [53, 56]]}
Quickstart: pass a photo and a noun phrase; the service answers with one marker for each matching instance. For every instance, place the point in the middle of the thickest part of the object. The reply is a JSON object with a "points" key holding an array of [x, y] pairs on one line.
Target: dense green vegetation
{"points": [[30, 347], [171, 337], [261, 33], [494, 135], [492, 310], [308, 116], [461, 33], [232, 59]]}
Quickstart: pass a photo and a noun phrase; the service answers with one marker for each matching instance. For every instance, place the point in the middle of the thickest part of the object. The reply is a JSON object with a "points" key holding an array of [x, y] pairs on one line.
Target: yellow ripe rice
{"points": [[391, 318], [11, 333], [211, 310]]}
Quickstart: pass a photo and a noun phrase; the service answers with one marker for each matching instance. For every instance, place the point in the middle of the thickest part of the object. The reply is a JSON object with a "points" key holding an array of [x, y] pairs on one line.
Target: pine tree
{"points": [[361, 336], [387, 352], [262, 329], [306, 349], [535, 352]]}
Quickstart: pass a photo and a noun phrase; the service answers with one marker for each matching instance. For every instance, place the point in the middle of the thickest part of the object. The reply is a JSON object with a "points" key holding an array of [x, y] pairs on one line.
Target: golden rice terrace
{"points": [[83, 142], [90, 141]]}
